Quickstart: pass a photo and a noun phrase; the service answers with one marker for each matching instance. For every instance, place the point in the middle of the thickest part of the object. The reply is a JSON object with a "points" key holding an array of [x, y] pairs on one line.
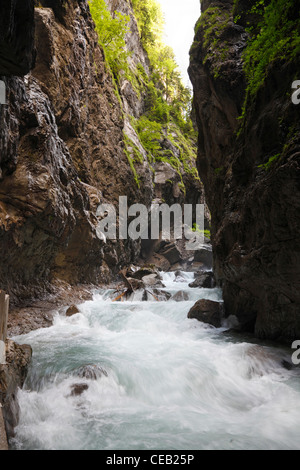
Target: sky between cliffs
{"points": [[181, 17]]}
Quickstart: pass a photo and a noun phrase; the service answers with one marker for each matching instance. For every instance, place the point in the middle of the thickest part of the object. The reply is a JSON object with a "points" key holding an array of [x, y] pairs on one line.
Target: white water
{"points": [[172, 384]]}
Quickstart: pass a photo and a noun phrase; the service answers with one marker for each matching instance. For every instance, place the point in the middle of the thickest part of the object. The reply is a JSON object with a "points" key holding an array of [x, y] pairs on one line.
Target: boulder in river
{"points": [[179, 276], [180, 296], [205, 256], [72, 311], [208, 311], [142, 272], [205, 279], [156, 294], [78, 389]]}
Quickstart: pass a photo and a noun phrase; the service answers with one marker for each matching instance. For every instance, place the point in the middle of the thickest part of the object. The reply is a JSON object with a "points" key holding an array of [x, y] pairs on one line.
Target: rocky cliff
{"points": [[67, 144], [249, 159], [62, 153]]}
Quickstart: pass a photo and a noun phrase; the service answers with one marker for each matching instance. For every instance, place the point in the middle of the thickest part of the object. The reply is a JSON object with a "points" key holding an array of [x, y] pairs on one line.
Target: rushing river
{"points": [[172, 383]]}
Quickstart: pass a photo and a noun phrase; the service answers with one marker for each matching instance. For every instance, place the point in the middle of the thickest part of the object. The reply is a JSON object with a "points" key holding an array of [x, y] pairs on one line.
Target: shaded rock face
{"points": [[255, 208], [12, 377], [61, 155], [17, 52]]}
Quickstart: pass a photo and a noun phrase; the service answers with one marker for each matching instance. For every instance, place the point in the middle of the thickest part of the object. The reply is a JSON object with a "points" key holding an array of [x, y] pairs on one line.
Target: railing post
{"points": [[4, 305]]}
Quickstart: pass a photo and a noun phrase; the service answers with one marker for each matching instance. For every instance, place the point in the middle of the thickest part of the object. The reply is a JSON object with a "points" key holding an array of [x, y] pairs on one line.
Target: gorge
{"points": [[96, 111]]}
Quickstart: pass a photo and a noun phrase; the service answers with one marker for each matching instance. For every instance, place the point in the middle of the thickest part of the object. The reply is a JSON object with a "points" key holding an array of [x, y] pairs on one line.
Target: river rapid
{"points": [[169, 383]]}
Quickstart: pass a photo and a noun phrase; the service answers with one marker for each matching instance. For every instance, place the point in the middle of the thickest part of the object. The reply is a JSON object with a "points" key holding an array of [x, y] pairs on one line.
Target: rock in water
{"points": [[204, 256], [208, 311], [78, 389], [12, 377], [180, 296], [152, 280], [91, 371], [72, 311], [205, 280]]}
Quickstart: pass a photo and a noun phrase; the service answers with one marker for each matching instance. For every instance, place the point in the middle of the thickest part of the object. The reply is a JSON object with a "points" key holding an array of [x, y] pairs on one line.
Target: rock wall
{"points": [[61, 154], [63, 150], [254, 204], [12, 377]]}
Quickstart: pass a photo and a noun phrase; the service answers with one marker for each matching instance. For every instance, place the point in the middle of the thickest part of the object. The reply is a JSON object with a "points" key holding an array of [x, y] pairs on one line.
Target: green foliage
{"points": [[133, 155], [150, 133], [111, 33], [276, 37], [213, 22], [206, 233], [167, 100], [150, 21]]}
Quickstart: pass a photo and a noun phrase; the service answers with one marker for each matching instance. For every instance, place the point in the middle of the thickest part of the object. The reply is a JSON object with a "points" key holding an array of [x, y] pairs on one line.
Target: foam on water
{"points": [[172, 383]]}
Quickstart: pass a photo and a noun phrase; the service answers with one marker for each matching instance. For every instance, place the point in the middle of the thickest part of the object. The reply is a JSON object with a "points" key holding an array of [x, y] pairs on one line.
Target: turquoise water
{"points": [[172, 383]]}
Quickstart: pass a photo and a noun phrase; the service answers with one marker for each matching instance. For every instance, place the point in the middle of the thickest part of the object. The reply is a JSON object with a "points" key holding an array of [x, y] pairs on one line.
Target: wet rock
{"points": [[205, 280], [208, 311], [152, 280], [140, 273], [156, 294], [172, 253], [180, 296], [195, 267], [12, 377], [78, 389], [136, 283], [204, 256], [287, 364], [179, 277], [91, 371], [72, 311], [178, 266], [261, 360]]}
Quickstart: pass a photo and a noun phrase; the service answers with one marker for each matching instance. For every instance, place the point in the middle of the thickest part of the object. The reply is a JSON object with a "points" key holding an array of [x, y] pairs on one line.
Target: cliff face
{"points": [[67, 144], [251, 172], [62, 153]]}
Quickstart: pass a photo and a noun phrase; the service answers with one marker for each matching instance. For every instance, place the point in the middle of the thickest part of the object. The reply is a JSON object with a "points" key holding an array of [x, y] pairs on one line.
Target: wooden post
{"points": [[4, 305], [3, 437]]}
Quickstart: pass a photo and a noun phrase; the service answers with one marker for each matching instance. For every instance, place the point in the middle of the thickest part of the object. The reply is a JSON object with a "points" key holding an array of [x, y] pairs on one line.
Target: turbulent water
{"points": [[172, 383]]}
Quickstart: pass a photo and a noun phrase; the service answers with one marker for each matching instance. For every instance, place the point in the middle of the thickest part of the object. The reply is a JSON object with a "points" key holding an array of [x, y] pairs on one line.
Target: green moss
{"points": [[276, 37], [132, 155], [213, 22], [167, 100], [268, 165], [206, 233]]}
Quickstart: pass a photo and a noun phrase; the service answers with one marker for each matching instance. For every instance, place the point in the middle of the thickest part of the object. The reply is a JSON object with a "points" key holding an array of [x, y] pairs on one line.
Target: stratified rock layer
{"points": [[255, 207]]}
